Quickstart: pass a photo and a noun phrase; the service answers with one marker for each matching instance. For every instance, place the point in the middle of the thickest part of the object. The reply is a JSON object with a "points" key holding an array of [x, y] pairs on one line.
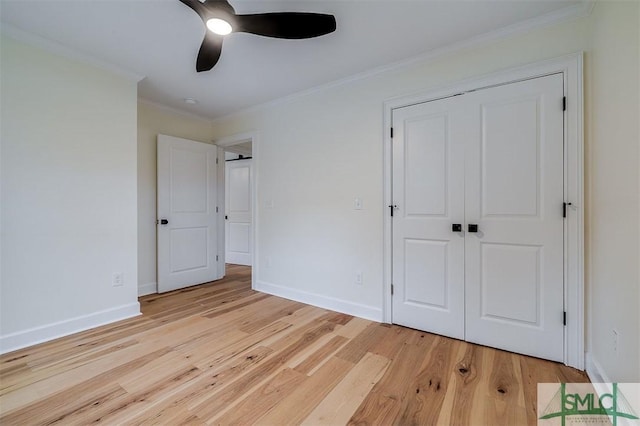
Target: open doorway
{"points": [[238, 198], [237, 212]]}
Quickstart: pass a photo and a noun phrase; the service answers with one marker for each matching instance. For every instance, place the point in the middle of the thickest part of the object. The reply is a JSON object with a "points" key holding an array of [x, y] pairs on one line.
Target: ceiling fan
{"points": [[220, 18]]}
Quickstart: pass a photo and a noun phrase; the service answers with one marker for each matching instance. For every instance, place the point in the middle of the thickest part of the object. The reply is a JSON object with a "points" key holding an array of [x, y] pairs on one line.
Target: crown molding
{"points": [[173, 110], [56, 48], [575, 11]]}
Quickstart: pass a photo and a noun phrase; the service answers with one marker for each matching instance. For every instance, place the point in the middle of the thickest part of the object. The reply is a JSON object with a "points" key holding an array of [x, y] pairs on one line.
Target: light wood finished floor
{"points": [[221, 353]]}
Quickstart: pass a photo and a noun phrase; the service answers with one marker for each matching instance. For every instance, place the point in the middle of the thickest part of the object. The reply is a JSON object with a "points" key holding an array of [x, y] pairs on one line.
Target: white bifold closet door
{"points": [[490, 161], [428, 194]]}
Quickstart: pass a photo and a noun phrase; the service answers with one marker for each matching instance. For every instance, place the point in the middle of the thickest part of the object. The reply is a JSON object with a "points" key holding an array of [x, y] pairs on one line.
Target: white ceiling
{"points": [[159, 39]]}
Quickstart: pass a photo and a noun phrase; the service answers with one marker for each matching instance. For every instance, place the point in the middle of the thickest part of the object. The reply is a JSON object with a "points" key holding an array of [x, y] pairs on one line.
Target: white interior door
{"points": [[428, 191], [238, 212], [514, 193], [490, 159], [187, 245]]}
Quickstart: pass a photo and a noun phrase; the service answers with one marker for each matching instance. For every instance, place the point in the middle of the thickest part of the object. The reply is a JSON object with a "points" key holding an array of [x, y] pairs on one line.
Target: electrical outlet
{"points": [[359, 277], [117, 279], [357, 204]]}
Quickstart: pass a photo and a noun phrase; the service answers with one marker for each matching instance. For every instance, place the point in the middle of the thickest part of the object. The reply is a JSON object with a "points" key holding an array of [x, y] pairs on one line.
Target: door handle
{"points": [[456, 227], [164, 222], [472, 227]]}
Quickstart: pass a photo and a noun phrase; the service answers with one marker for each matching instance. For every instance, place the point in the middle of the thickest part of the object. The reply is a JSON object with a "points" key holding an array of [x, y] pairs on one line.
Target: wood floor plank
{"points": [[353, 327], [392, 341], [76, 346], [265, 317], [340, 404], [423, 406], [208, 408], [222, 353], [31, 375], [100, 372], [208, 383], [121, 410], [217, 357], [360, 345], [62, 407], [320, 354], [225, 308], [154, 372], [382, 405], [466, 374], [297, 331], [263, 399], [292, 410], [503, 390]]}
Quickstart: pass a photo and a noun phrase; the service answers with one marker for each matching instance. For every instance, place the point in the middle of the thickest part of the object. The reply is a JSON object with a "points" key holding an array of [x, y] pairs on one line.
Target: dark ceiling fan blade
{"points": [[197, 7], [211, 9], [209, 51], [217, 6], [291, 25]]}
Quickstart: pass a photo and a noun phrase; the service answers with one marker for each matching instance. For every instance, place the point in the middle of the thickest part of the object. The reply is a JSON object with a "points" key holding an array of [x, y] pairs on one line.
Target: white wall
{"points": [[154, 120], [319, 151], [68, 200], [613, 219]]}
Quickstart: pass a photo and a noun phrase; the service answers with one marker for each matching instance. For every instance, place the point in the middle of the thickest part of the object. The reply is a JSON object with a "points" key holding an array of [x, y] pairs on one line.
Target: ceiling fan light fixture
{"points": [[219, 26], [221, 19]]}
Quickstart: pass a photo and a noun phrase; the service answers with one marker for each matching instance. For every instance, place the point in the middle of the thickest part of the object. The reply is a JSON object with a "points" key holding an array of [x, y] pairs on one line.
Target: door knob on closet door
{"points": [[472, 227], [456, 227]]}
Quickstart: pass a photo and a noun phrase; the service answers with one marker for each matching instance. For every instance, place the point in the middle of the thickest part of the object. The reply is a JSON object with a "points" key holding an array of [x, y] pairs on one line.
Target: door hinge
{"points": [[216, 209], [216, 257], [564, 209], [392, 133], [392, 289], [216, 160], [564, 103], [564, 318]]}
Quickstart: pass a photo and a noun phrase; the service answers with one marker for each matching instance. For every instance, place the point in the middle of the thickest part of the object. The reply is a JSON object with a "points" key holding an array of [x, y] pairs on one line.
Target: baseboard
{"points": [[595, 371], [325, 302], [603, 386], [148, 288], [33, 336]]}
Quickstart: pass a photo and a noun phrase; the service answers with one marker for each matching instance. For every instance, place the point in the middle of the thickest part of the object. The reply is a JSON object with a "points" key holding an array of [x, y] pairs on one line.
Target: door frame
{"points": [[222, 143], [571, 67]]}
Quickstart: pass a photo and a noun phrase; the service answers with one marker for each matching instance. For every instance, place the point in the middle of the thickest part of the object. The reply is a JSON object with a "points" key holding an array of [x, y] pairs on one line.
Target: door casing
{"points": [[227, 141], [571, 67]]}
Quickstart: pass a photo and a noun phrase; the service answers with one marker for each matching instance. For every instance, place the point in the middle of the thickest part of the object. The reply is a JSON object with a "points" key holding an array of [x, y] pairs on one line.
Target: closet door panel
{"points": [[428, 189], [514, 194]]}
